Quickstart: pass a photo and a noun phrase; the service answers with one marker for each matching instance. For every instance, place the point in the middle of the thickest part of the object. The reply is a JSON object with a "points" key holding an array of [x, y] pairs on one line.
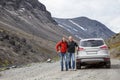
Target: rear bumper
{"points": [[92, 56], [93, 60]]}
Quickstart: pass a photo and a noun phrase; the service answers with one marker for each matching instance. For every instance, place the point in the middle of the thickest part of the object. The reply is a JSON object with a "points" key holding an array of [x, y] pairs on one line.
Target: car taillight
{"points": [[106, 59], [81, 49], [104, 47]]}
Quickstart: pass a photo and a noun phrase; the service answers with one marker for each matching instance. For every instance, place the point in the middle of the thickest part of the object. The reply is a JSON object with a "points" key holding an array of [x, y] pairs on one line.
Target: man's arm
{"points": [[77, 47], [58, 46], [76, 44]]}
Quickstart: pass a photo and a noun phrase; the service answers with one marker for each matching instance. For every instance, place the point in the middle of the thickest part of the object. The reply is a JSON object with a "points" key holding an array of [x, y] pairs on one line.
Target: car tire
{"points": [[78, 65], [108, 64]]}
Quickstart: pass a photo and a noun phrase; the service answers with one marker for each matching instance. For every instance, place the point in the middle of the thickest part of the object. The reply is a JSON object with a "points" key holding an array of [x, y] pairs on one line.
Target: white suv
{"points": [[93, 51]]}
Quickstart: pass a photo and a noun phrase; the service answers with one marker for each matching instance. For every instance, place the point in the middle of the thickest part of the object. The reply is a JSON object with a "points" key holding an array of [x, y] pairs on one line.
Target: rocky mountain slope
{"points": [[27, 32], [83, 27], [114, 44]]}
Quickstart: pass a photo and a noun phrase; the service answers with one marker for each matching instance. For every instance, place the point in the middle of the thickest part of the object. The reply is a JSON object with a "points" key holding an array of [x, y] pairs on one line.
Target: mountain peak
{"points": [[82, 17]]}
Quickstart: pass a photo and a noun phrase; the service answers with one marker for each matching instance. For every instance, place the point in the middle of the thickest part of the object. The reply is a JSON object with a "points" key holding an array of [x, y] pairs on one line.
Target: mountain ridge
{"points": [[87, 27]]}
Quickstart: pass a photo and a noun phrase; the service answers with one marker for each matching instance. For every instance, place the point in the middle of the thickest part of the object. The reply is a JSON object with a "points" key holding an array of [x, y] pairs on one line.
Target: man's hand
{"points": [[77, 48], [58, 51]]}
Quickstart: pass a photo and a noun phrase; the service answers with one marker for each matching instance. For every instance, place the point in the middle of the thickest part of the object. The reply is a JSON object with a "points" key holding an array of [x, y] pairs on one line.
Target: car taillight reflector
{"points": [[104, 47], [81, 49]]}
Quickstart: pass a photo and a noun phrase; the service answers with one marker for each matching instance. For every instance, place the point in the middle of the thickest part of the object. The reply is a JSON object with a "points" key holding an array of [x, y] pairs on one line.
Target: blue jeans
{"points": [[63, 59], [71, 60]]}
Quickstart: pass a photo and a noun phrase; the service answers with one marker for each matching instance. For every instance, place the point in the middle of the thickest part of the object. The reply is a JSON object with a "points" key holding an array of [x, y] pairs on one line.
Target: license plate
{"points": [[91, 52]]}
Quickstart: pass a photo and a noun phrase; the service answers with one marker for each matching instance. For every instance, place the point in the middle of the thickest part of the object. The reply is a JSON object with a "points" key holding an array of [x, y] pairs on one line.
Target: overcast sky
{"points": [[105, 11]]}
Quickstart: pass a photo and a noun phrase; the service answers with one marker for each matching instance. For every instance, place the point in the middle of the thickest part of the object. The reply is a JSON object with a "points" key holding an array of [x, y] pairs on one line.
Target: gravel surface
{"points": [[51, 71]]}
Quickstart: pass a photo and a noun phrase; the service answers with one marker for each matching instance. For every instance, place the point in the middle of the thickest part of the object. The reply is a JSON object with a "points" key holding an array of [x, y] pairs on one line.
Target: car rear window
{"points": [[92, 43]]}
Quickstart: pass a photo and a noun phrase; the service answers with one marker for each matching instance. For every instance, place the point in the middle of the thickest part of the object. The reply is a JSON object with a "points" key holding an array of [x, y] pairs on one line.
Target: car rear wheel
{"points": [[108, 64], [78, 65]]}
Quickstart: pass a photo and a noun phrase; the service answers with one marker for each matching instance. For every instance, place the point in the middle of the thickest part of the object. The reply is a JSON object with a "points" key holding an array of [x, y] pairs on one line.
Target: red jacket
{"points": [[62, 46]]}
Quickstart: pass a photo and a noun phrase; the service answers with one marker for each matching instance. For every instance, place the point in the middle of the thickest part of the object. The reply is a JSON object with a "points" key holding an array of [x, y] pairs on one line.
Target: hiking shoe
{"points": [[74, 70], [61, 69]]}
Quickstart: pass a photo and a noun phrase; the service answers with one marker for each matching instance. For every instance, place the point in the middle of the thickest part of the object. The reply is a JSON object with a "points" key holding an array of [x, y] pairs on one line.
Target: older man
{"points": [[72, 45]]}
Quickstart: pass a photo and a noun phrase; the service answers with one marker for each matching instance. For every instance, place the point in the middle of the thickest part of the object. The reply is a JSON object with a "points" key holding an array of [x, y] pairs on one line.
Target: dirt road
{"points": [[51, 71]]}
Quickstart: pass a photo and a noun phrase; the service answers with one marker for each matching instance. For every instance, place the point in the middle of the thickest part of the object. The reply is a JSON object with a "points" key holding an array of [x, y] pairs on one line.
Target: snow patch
{"points": [[67, 25], [61, 25], [68, 30], [75, 29], [77, 25], [64, 27], [78, 36], [22, 9]]}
